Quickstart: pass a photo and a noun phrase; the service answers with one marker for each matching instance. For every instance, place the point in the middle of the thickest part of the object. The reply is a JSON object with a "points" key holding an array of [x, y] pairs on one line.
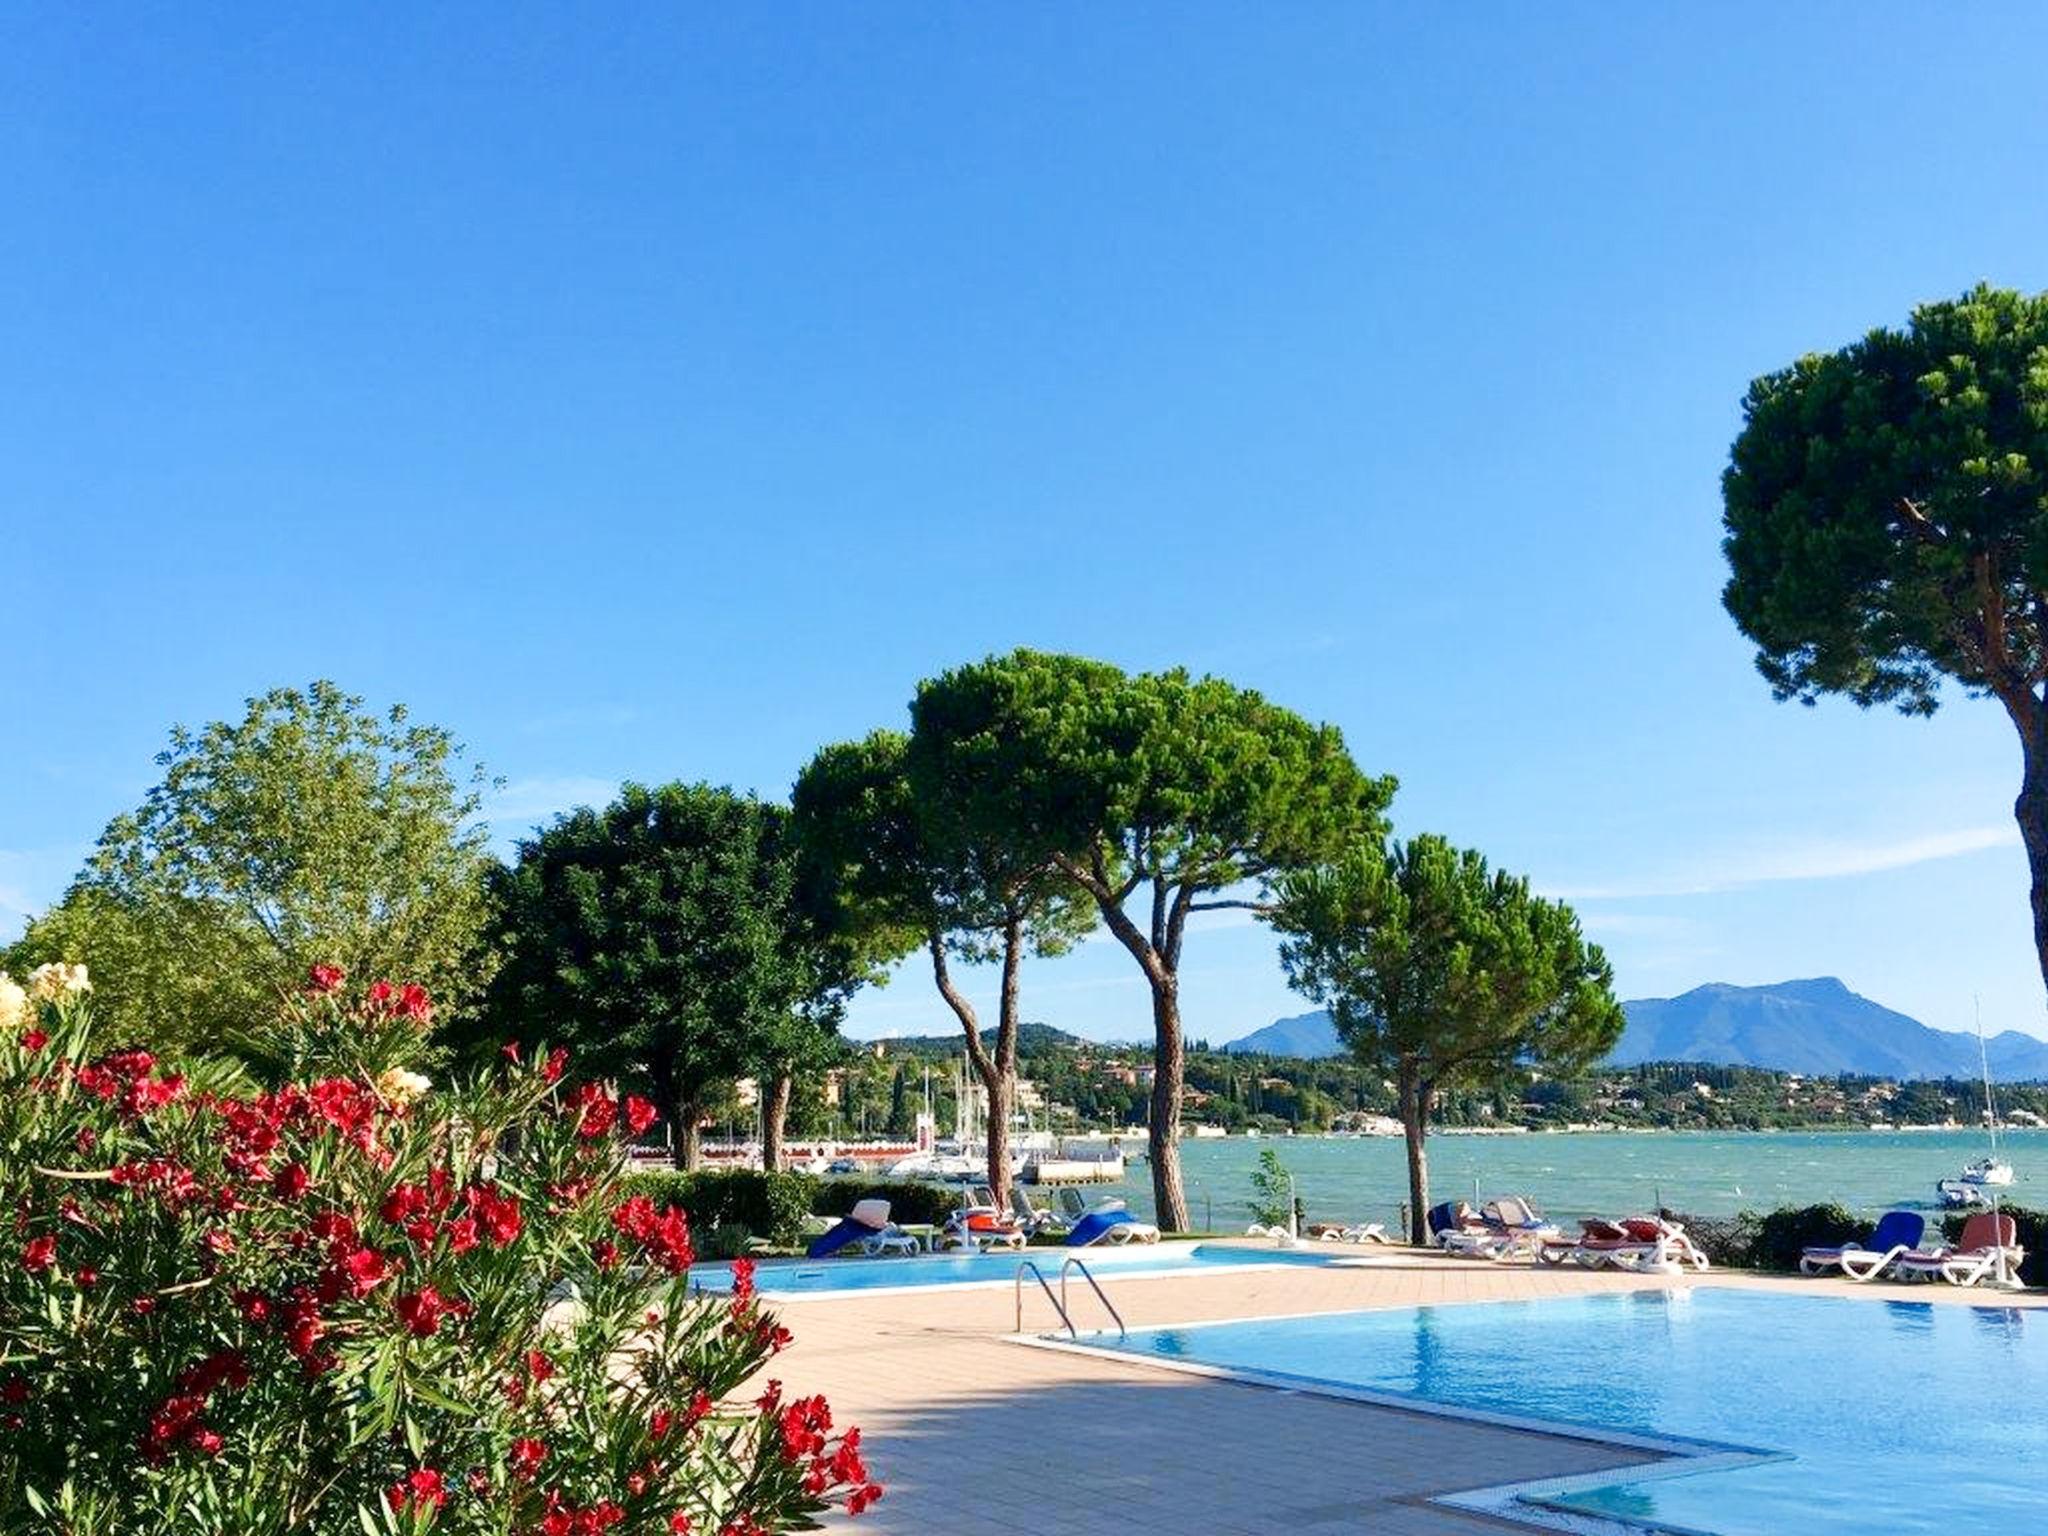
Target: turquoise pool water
{"points": [[1891, 1416], [828, 1276]]}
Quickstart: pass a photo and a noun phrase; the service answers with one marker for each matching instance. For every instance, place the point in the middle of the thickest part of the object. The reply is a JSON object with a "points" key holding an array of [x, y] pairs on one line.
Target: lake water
{"points": [[1582, 1174]]}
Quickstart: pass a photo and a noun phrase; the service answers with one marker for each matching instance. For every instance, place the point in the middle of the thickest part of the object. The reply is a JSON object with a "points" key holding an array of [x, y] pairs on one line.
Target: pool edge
{"points": [[1526, 1501]]}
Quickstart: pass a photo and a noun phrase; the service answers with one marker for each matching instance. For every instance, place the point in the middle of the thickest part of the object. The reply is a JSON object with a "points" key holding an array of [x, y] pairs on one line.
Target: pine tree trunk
{"points": [[689, 1136], [1000, 1098], [999, 1076], [2031, 811], [774, 1117], [1169, 1057], [1414, 1130]]}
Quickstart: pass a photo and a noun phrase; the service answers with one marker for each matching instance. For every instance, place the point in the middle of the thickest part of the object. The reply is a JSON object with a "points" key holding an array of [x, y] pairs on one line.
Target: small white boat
{"points": [[1988, 1170], [1963, 1195], [1972, 1189]]}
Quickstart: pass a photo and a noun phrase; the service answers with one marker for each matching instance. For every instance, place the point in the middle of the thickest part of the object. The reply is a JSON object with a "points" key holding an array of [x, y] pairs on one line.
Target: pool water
{"points": [[836, 1275], [1887, 1416]]}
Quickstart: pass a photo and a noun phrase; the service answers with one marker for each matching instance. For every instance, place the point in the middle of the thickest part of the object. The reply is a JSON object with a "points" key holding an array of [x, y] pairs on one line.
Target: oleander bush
{"points": [[323, 1296]]}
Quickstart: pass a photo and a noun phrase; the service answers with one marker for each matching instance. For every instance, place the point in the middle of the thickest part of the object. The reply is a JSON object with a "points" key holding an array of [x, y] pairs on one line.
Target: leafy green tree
{"points": [[1160, 792], [1447, 975], [1274, 1202], [901, 1116], [1886, 509], [311, 831], [661, 939], [920, 858]]}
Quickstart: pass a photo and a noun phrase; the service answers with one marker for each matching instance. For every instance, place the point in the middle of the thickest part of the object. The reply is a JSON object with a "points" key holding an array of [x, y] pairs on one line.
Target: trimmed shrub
{"points": [[2032, 1228], [1729, 1242], [768, 1205], [1780, 1235], [908, 1200]]}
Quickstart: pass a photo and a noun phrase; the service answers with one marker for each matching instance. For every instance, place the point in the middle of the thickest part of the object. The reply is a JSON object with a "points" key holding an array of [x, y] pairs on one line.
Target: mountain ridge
{"points": [[1815, 1025]]}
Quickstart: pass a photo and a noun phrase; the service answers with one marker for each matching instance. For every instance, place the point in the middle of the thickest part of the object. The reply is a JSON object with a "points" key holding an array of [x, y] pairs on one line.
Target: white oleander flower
{"points": [[56, 981], [400, 1087], [13, 1004]]}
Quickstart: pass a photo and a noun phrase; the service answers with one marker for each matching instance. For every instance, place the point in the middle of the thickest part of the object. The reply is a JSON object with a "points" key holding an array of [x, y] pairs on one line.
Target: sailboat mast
{"points": [[1984, 1063]]}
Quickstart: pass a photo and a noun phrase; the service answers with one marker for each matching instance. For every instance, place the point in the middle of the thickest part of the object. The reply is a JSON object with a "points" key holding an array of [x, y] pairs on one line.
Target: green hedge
{"points": [[1782, 1234], [1772, 1240], [769, 1205], [2032, 1229], [774, 1205], [908, 1200]]}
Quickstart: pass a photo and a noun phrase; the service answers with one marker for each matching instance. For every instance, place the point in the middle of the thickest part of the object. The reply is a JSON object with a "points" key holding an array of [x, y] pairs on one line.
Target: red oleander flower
{"points": [[497, 1215], [33, 1040], [291, 1181], [527, 1455], [639, 1114], [413, 1003], [366, 1269], [38, 1254], [322, 979], [422, 1489], [593, 1110], [421, 1311]]}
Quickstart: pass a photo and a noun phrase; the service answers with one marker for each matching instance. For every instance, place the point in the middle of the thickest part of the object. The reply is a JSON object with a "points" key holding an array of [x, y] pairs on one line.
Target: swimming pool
{"points": [[827, 1277], [1820, 1415]]}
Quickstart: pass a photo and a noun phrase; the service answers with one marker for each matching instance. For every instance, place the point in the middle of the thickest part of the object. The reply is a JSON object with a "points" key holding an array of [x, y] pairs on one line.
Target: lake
{"points": [[1586, 1173]]}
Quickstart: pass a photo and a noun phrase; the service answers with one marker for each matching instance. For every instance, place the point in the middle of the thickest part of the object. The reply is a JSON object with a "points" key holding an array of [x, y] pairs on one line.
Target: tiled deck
{"points": [[976, 1435]]}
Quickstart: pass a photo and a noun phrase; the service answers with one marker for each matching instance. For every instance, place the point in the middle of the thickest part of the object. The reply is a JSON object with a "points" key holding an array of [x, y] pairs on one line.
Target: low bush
{"points": [[768, 1205], [1729, 1242], [1781, 1234], [2032, 1230], [908, 1201]]}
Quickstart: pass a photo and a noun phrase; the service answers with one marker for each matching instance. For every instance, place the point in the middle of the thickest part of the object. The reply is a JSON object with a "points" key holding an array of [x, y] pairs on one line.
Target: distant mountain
{"points": [[1306, 1034], [1818, 1027]]}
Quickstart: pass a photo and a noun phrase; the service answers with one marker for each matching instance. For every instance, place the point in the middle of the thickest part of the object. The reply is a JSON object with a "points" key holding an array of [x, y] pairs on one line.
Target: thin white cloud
{"points": [[523, 802], [1637, 924], [1807, 860]]}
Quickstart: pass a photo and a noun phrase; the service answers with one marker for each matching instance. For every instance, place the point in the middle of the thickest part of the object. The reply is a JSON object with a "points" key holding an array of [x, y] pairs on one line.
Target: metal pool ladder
{"points": [[1059, 1303]]}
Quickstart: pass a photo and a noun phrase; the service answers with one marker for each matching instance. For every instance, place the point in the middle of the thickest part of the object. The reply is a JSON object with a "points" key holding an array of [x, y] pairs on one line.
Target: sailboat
{"points": [[1972, 1189]]}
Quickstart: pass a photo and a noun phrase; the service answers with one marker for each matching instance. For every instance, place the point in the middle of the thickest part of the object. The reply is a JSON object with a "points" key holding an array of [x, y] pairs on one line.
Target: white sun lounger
{"points": [[1988, 1243]]}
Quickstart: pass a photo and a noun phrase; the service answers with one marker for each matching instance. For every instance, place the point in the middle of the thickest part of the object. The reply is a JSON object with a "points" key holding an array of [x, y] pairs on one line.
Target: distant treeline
{"points": [[1093, 1087]]}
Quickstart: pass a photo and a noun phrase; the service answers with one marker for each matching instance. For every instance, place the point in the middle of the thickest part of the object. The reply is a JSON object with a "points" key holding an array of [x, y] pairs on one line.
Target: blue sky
{"points": [[661, 395]]}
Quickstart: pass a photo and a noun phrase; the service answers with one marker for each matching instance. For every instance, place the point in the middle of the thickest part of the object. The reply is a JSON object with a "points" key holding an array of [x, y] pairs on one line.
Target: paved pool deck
{"points": [[976, 1434]]}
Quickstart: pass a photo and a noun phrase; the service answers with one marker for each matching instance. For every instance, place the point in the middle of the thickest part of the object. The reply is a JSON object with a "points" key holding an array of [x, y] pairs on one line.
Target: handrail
{"points": [[1073, 1261], [1030, 1267]]}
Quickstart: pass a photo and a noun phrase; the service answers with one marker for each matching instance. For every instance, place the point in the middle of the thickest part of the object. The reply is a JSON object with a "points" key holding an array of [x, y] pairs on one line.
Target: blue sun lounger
{"points": [[1896, 1233]]}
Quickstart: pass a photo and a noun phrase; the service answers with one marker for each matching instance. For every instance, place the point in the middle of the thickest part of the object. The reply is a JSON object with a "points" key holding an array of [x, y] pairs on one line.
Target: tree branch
{"points": [[963, 1010]]}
